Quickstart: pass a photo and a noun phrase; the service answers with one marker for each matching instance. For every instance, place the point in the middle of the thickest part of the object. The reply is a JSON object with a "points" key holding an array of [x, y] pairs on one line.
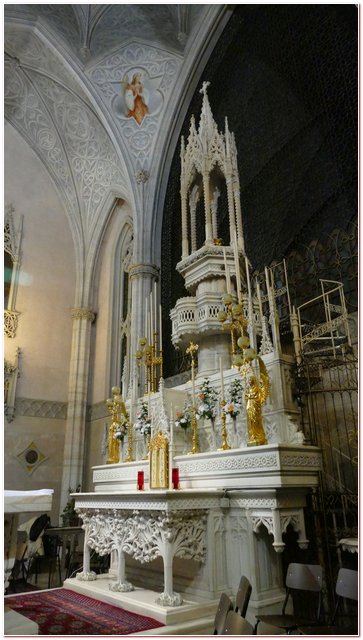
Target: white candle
{"points": [[228, 280], [155, 309], [146, 319], [248, 278], [222, 383], [160, 328], [151, 319], [236, 264], [259, 298], [171, 427]]}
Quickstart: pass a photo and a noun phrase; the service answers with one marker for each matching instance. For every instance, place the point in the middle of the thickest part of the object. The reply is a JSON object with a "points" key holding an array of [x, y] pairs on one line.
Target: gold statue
{"points": [[116, 406], [256, 394]]}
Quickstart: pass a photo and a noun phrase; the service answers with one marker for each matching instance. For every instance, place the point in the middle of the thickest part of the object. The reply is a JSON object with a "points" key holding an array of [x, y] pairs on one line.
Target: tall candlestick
{"points": [[228, 280], [222, 383], [160, 328], [193, 385], [236, 264]]}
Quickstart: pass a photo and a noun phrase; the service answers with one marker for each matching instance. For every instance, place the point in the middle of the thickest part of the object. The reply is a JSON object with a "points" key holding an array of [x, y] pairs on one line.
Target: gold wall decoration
{"points": [[159, 461]]}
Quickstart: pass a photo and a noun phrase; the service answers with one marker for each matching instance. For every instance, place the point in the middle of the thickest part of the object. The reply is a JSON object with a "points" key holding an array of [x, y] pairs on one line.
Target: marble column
{"points": [[77, 401]]}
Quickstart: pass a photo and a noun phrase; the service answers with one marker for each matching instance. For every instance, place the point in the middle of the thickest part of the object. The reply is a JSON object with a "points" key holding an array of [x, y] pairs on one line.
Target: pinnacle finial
{"points": [[204, 88]]}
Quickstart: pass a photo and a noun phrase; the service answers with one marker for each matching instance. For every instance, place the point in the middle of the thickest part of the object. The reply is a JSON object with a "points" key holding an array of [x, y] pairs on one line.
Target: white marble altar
{"points": [[194, 543]]}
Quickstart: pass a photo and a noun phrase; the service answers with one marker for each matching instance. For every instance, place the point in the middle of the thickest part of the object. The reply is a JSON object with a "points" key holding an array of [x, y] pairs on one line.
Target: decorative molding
{"points": [[231, 462], [83, 313], [56, 118], [142, 176], [41, 408], [97, 411], [10, 323], [142, 269], [11, 375]]}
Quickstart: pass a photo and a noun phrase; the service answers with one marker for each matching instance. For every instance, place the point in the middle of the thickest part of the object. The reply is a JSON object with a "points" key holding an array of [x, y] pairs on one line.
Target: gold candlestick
{"points": [[149, 357], [225, 446], [129, 444], [192, 350]]}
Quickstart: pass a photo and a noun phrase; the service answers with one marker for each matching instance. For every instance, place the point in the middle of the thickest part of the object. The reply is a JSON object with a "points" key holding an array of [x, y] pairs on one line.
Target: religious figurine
{"points": [[117, 408], [256, 394]]}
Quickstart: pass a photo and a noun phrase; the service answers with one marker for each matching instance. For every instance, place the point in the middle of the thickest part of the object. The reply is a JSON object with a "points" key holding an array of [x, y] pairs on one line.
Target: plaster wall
{"points": [[46, 291], [48, 436]]}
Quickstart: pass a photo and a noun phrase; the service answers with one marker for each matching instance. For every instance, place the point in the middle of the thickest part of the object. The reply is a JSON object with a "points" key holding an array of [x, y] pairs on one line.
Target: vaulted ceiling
{"points": [[91, 31]]}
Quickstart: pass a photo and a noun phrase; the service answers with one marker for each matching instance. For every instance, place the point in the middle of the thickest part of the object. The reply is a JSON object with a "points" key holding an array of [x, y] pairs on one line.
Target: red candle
{"points": [[175, 478], [140, 480]]}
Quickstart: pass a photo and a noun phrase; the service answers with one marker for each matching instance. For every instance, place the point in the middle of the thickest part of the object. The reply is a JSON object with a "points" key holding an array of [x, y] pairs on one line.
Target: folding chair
{"points": [[225, 605], [346, 587], [243, 596], [299, 577], [235, 625]]}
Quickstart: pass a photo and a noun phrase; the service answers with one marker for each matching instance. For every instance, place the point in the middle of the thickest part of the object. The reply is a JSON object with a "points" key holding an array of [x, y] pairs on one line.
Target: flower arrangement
{"points": [[208, 400], [122, 426], [184, 418], [143, 422], [233, 407]]}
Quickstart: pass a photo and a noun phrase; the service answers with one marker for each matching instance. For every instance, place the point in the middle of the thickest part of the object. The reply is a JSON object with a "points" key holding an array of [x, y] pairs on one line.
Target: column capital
{"points": [[142, 269], [83, 313]]}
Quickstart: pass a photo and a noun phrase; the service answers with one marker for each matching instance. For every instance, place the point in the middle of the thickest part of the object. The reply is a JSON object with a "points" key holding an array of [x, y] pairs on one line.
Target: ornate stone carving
{"points": [[41, 408], [11, 375], [268, 460], [83, 313], [10, 323], [142, 176], [145, 535]]}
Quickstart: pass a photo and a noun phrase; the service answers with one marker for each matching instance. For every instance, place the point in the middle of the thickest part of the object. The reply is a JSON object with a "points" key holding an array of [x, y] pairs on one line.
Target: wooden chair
{"points": [[243, 596], [225, 605], [235, 625], [346, 587], [299, 578]]}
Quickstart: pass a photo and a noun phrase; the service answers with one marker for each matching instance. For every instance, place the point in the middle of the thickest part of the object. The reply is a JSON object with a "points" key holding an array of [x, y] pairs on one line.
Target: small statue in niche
{"points": [[256, 394]]}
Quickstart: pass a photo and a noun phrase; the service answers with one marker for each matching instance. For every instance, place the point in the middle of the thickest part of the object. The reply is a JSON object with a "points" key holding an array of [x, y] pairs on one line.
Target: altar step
{"points": [[193, 617]]}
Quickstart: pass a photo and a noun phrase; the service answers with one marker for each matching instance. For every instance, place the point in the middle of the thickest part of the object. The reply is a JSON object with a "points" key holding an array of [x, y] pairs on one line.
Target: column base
{"points": [[121, 586], [168, 600], [86, 576]]}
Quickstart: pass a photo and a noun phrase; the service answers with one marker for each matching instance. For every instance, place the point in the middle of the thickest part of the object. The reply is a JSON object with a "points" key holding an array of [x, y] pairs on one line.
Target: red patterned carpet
{"points": [[66, 613]]}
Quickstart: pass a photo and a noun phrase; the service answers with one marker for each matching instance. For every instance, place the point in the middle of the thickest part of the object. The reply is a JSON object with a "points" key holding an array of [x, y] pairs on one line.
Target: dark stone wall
{"points": [[286, 78]]}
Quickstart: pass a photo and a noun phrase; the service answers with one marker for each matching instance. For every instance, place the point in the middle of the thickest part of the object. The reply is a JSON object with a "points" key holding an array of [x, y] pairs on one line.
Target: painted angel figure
{"points": [[136, 98], [256, 394]]}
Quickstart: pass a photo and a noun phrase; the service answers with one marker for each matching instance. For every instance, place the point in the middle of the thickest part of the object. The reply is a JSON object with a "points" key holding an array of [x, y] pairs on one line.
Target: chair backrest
{"points": [[225, 605], [235, 625], [243, 596], [346, 587], [304, 577], [347, 584]]}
